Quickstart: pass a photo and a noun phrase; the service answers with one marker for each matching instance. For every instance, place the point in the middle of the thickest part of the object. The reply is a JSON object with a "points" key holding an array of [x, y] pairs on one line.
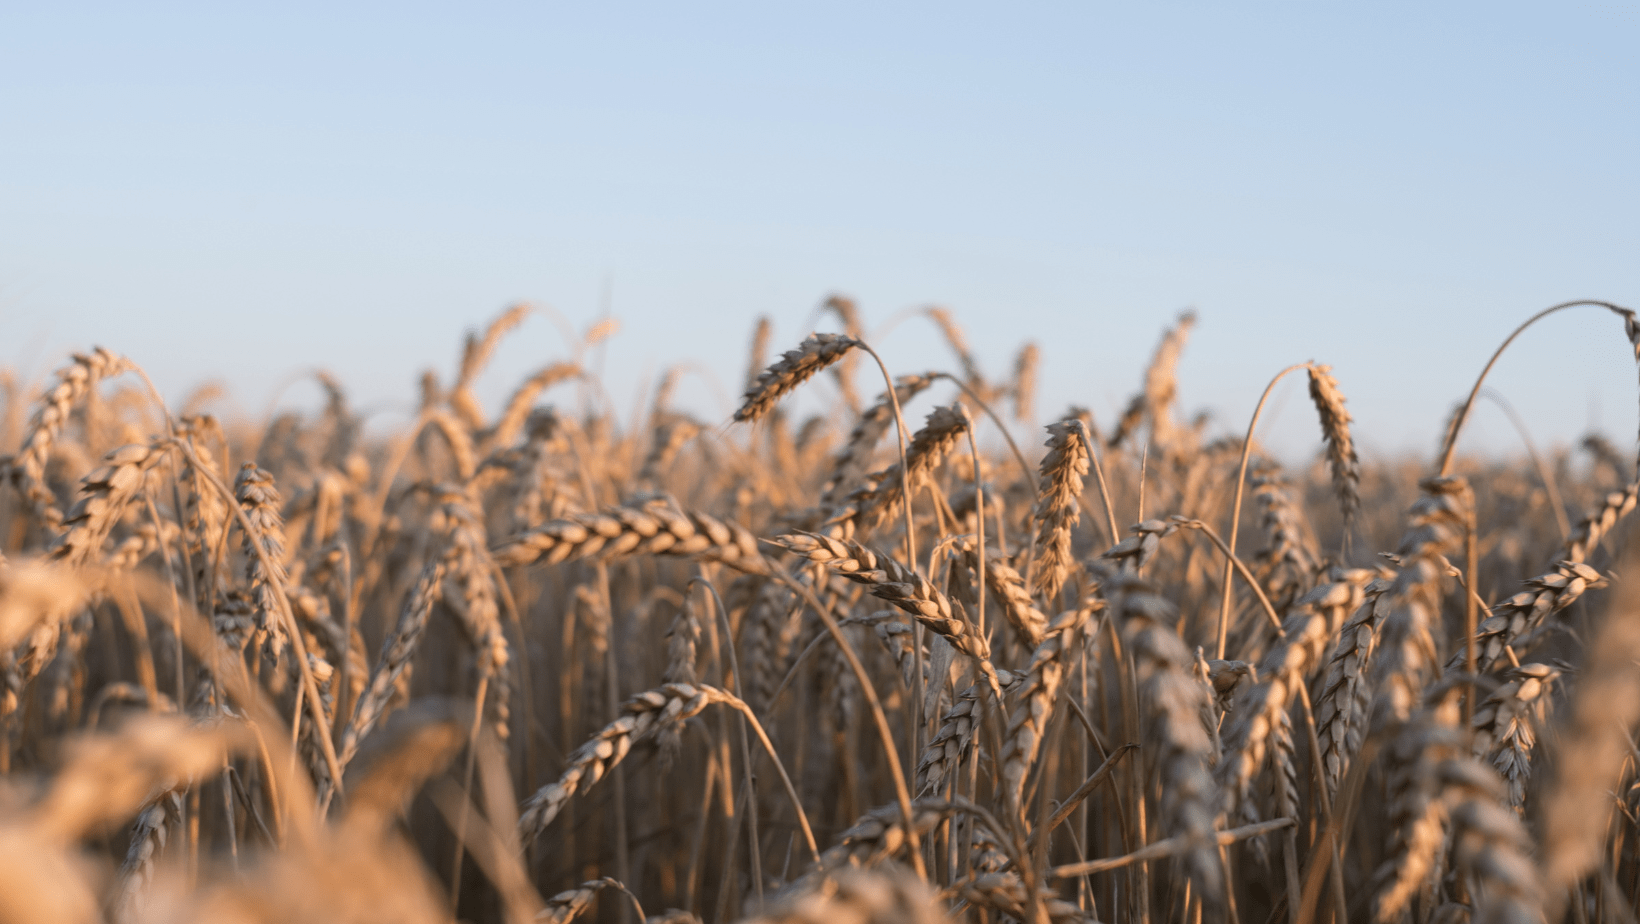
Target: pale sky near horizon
{"points": [[227, 192]]}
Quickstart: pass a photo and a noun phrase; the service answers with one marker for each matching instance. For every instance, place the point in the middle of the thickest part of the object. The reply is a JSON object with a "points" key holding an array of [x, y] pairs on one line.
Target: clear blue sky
{"points": [[220, 191]]}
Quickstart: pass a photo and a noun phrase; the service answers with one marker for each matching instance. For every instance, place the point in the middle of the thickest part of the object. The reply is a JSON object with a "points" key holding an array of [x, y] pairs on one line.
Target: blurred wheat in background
{"points": [[912, 658]]}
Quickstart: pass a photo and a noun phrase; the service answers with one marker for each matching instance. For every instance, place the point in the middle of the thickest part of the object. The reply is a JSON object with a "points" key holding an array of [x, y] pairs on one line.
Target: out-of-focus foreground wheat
{"points": [[913, 659]]}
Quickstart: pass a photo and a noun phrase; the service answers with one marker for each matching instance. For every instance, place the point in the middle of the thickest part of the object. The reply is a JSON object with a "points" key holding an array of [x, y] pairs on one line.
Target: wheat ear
{"points": [[796, 367]]}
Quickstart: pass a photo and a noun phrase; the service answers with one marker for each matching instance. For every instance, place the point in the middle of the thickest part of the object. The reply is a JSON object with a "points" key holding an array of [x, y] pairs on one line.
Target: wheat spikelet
{"points": [[796, 367], [532, 486], [259, 498], [397, 651], [1262, 706], [641, 716], [1335, 429], [457, 438], [1008, 587], [473, 572], [887, 580], [475, 355], [1057, 512], [1341, 707], [1029, 720], [929, 446], [655, 528], [74, 382], [1136, 551], [1593, 744], [1594, 527], [149, 837], [858, 896], [958, 341], [106, 777], [205, 522], [671, 435], [567, 905], [1024, 390], [520, 404], [1406, 653], [1503, 726], [955, 736], [1433, 782], [849, 314], [854, 458], [105, 494], [1288, 559], [1517, 619], [1155, 402], [898, 638], [681, 641], [1416, 812], [1180, 746], [771, 624]]}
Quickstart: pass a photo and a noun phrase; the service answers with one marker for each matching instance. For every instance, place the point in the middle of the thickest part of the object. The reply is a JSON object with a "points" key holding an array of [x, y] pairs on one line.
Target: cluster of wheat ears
{"points": [[857, 668]]}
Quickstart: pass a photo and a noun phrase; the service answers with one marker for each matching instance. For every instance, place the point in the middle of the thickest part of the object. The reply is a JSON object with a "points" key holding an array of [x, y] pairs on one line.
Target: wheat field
{"points": [[915, 658]]}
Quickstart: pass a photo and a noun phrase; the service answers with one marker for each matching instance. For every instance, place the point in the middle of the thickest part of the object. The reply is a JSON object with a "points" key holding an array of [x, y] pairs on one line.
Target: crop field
{"points": [[915, 658]]}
